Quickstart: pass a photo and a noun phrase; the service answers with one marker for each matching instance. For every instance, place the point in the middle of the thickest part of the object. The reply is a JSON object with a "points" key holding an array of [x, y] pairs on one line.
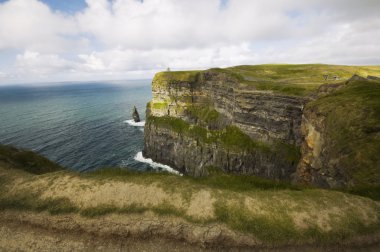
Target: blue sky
{"points": [[75, 40], [69, 6]]}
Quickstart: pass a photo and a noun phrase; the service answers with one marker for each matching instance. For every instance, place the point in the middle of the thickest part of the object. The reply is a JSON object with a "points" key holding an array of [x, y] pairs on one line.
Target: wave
{"points": [[139, 157], [136, 124]]}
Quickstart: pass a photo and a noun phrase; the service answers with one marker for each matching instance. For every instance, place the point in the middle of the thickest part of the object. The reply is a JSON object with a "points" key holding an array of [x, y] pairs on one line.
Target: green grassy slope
{"points": [[29, 161], [298, 80]]}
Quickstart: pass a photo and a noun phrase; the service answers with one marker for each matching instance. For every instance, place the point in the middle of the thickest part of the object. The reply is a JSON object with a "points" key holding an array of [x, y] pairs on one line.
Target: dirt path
{"points": [[28, 231], [141, 226], [16, 236]]}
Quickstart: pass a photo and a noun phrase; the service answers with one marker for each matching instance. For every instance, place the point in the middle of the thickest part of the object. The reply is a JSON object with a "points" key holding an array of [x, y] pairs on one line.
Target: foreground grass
{"points": [[275, 212]]}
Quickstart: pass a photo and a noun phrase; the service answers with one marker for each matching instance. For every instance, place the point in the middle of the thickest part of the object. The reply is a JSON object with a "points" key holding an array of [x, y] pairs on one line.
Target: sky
{"points": [[77, 40]]}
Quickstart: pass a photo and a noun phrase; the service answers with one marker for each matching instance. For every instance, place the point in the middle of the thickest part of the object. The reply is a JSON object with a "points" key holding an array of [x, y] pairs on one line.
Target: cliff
{"points": [[249, 120], [199, 120]]}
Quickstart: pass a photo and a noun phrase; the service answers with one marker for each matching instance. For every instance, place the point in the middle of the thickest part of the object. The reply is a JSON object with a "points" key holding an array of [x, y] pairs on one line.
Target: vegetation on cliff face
{"points": [[205, 114], [351, 130], [230, 137]]}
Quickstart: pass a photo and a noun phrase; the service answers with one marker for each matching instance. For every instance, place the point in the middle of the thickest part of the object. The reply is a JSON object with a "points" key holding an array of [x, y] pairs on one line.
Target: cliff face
{"points": [[195, 156], [204, 120], [262, 115], [243, 128]]}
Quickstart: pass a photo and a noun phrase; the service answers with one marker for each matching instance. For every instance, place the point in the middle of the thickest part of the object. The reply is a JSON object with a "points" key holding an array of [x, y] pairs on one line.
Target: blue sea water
{"points": [[81, 126]]}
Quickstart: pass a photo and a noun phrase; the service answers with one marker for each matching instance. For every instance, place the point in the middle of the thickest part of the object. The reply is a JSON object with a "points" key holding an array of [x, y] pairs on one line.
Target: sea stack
{"points": [[135, 114]]}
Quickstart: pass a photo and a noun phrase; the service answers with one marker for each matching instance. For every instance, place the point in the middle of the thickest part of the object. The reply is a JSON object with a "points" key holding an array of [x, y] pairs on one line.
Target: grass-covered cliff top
{"points": [[287, 79], [303, 73], [175, 77], [262, 211]]}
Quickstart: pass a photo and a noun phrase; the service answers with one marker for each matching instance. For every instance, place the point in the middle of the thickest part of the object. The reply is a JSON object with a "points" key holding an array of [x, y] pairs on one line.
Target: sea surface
{"points": [[82, 126]]}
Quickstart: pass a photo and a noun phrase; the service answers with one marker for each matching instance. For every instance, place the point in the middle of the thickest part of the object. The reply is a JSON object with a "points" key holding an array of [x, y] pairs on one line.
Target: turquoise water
{"points": [[81, 126]]}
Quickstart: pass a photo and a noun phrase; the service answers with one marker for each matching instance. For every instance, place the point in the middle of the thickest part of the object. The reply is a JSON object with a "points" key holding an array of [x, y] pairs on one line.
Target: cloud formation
{"points": [[134, 38]]}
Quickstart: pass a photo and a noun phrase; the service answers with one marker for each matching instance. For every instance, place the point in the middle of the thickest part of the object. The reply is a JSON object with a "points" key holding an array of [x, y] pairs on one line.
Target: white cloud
{"points": [[179, 24], [31, 62], [133, 38], [31, 25]]}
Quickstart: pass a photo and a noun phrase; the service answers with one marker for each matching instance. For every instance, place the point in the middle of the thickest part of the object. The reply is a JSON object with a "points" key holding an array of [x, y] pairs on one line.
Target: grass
{"points": [[298, 80], [27, 160], [302, 73], [287, 79], [278, 226], [27, 201], [272, 224], [232, 137], [100, 210], [216, 180], [372, 192], [205, 114], [159, 105], [162, 79], [241, 183], [275, 229]]}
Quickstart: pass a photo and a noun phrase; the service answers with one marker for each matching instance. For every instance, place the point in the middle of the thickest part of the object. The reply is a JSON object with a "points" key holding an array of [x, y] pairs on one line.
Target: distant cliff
{"points": [[258, 120]]}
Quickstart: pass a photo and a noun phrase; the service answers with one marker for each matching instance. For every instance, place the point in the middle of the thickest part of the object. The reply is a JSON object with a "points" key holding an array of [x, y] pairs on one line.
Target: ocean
{"points": [[81, 126]]}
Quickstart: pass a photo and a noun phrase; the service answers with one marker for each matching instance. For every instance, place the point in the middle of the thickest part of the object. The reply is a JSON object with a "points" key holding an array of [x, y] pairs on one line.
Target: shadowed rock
{"points": [[135, 114]]}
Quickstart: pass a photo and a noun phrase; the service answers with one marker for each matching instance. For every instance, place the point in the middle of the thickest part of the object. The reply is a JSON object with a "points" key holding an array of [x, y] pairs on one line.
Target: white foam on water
{"points": [[142, 129], [139, 157], [136, 124]]}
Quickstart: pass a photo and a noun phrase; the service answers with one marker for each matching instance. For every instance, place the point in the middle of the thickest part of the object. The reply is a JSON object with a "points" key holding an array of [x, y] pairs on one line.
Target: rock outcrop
{"points": [[135, 114]]}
